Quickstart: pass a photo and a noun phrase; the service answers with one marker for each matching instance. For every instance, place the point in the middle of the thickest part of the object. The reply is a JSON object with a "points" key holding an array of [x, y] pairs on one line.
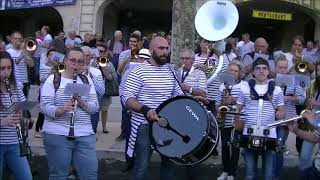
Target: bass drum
{"points": [[189, 118]]}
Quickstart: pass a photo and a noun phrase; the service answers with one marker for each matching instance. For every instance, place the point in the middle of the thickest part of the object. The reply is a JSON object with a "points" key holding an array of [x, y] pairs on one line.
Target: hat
{"points": [[260, 61], [144, 53]]}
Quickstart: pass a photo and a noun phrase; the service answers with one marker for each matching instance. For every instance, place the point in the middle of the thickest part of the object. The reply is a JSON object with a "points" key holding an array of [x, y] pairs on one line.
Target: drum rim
{"points": [[160, 107]]}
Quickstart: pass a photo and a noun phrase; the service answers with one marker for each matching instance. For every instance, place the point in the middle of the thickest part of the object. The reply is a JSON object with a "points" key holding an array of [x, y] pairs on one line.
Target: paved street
{"points": [[111, 155]]}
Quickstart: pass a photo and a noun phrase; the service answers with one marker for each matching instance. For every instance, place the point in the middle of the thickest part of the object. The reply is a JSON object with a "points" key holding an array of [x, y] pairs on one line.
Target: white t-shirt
{"points": [[46, 40], [72, 42]]}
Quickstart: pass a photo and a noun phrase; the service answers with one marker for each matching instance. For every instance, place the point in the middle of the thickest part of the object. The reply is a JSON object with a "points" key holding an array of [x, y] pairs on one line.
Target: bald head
{"points": [[261, 45], [159, 49]]}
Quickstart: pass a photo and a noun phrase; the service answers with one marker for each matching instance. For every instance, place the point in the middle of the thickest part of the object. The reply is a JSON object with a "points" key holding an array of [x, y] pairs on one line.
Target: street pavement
{"points": [[111, 153]]}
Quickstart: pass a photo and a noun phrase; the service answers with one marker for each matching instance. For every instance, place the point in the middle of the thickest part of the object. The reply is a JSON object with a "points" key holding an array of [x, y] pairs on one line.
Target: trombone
{"points": [[133, 56]]}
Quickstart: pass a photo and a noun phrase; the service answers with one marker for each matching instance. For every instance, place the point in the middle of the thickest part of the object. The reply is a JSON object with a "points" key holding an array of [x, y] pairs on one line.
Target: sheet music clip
{"points": [[80, 89], [25, 105], [303, 81], [284, 80], [59, 57], [227, 78]]}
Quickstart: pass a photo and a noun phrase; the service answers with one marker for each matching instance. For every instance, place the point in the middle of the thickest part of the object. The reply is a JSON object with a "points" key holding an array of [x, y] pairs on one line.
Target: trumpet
{"points": [[302, 123], [30, 44], [301, 65], [58, 66], [133, 56], [104, 59], [71, 136], [24, 148]]}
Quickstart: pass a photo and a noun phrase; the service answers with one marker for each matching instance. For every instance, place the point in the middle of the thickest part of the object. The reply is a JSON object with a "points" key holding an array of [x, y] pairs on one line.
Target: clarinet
{"points": [[24, 148], [71, 136]]}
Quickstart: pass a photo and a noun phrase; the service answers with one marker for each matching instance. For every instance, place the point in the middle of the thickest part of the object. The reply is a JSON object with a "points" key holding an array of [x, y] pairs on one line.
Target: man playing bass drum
{"points": [[263, 103]]}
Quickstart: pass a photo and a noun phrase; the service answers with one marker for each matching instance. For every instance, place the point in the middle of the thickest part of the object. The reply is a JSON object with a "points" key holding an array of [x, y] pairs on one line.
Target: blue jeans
{"points": [[251, 160], [95, 121], [61, 153], [18, 166], [143, 154], [305, 158], [282, 132]]}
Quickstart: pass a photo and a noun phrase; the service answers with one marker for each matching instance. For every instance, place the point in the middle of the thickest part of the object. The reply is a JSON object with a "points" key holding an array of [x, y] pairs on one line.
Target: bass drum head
{"points": [[188, 117]]}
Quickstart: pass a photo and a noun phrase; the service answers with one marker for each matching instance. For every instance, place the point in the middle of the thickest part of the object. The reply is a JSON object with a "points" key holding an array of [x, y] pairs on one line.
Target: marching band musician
{"points": [[263, 102], [98, 82], [230, 160], [293, 95], [193, 81], [146, 87], [312, 137], [46, 69], [9, 144], [59, 109], [312, 103]]}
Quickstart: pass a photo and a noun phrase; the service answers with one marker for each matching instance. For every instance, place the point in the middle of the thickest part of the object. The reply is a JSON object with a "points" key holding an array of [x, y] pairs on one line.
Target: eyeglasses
{"points": [[73, 60]]}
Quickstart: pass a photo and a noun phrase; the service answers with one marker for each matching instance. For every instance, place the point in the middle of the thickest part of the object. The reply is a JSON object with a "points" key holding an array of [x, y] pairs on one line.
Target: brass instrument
{"points": [[306, 123], [223, 109], [208, 67], [303, 123], [133, 56], [71, 136], [301, 65], [30, 44], [104, 59], [24, 148], [58, 67]]}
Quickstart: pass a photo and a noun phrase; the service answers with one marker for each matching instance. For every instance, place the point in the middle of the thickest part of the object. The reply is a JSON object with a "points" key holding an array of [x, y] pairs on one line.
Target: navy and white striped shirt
{"points": [[235, 90], [290, 106], [51, 100], [149, 85], [260, 113], [98, 81], [21, 69], [8, 134]]}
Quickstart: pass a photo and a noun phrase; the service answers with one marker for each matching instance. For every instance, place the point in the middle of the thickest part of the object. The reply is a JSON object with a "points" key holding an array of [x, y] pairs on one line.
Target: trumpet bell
{"points": [[102, 62], [61, 68], [135, 53], [301, 67], [216, 20], [31, 44]]}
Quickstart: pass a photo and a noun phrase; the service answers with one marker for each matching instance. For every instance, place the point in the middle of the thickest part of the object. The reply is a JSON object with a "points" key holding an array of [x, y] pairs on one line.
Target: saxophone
{"points": [[302, 122], [223, 109], [24, 148]]}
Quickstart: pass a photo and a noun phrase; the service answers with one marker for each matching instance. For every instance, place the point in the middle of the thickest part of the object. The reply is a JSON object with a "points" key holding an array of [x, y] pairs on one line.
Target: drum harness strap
{"points": [[266, 97]]}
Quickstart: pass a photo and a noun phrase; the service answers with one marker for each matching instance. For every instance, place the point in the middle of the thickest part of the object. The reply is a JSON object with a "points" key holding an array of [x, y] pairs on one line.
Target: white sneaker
{"points": [[223, 176], [37, 135], [230, 178]]}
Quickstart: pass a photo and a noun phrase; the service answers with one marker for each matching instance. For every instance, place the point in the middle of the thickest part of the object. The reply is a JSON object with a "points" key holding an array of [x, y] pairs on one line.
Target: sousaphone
{"points": [[216, 20]]}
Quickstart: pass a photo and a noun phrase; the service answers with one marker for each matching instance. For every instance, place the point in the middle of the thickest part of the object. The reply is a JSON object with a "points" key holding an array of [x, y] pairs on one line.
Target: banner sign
{"points": [[272, 15], [24, 4]]}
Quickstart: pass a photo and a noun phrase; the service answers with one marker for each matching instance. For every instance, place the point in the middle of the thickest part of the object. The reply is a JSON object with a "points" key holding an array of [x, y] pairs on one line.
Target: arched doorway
{"points": [[145, 15], [277, 32], [30, 20]]}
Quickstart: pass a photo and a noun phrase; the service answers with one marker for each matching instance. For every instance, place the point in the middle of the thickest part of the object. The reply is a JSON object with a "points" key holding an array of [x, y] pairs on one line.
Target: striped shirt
{"points": [[195, 78], [290, 106], [98, 81], [130, 67], [21, 69], [260, 113], [235, 90], [213, 85], [8, 134], [198, 59], [149, 85], [51, 100]]}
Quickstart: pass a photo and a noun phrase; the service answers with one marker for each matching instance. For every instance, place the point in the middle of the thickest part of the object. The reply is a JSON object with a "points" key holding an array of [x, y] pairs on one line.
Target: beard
{"points": [[161, 60]]}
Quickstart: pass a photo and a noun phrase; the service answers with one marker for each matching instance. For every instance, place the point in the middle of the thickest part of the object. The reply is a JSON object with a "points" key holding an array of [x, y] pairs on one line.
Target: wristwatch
{"points": [[190, 90]]}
